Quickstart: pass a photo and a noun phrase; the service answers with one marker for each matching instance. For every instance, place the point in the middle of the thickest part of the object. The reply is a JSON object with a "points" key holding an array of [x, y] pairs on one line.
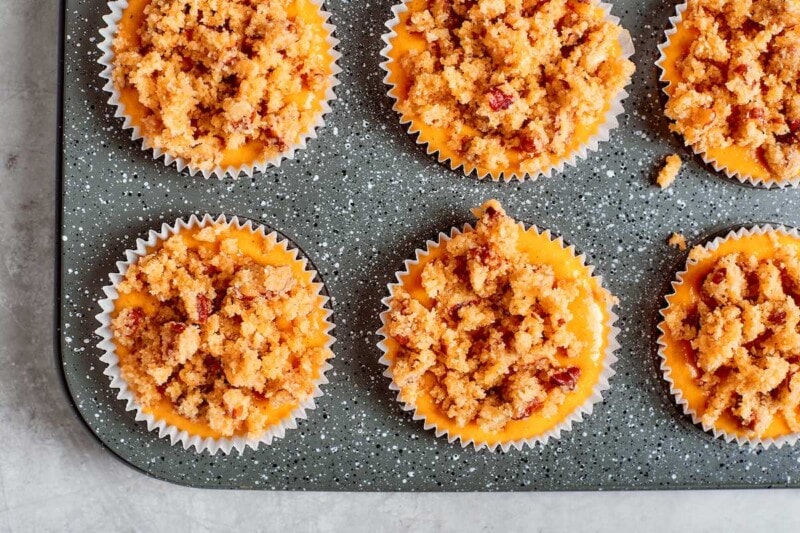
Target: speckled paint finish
{"points": [[358, 201]]}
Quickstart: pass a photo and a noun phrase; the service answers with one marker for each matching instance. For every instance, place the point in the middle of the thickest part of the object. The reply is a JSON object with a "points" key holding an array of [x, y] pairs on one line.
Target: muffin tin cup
{"points": [[603, 133], [175, 435], [117, 7], [752, 442], [576, 416], [718, 166]]}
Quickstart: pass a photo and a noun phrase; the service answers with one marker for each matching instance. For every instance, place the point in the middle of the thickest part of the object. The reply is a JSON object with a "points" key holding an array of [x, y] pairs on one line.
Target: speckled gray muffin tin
{"points": [[359, 201]]}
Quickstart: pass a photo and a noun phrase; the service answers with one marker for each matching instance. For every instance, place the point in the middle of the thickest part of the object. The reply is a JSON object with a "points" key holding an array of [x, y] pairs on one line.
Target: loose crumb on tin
{"points": [[677, 240], [743, 329], [224, 341], [669, 171], [495, 346]]}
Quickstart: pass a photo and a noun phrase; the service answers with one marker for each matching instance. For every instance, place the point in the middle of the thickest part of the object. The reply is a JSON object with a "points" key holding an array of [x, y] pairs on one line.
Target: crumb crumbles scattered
{"points": [[738, 80], [215, 76], [228, 342], [495, 345], [745, 338], [677, 240], [512, 80], [669, 171]]}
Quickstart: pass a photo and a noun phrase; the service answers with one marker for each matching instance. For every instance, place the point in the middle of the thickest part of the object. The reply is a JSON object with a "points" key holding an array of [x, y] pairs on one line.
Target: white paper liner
{"points": [[225, 445], [788, 440], [718, 166], [603, 134], [585, 409], [117, 8]]}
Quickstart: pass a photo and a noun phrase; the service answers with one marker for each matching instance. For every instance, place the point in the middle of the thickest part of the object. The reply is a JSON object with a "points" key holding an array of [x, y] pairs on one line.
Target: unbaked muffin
{"points": [[506, 87], [223, 84], [220, 331], [731, 335], [732, 69], [499, 334]]}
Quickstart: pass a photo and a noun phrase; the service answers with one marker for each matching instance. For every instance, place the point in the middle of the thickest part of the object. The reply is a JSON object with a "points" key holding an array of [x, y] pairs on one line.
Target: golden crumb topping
{"points": [[494, 345], [744, 332], [226, 341], [669, 171], [739, 80], [215, 76], [512, 79]]}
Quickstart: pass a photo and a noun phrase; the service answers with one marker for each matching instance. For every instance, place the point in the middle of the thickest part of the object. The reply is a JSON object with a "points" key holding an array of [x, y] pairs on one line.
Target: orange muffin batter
{"points": [[732, 69], [504, 86], [731, 338], [222, 83], [220, 332], [498, 334]]}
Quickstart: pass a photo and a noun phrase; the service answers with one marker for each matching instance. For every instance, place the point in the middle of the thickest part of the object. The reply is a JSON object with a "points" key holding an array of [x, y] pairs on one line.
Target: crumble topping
{"points": [[745, 339], [739, 80], [219, 75], [229, 339], [669, 171], [495, 344], [677, 240], [521, 76]]}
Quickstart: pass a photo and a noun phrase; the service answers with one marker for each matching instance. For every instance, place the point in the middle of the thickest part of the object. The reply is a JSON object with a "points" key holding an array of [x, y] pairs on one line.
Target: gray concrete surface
{"points": [[53, 477]]}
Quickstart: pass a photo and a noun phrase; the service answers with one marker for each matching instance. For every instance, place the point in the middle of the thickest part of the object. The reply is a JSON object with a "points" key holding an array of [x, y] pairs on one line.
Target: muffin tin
{"points": [[358, 201]]}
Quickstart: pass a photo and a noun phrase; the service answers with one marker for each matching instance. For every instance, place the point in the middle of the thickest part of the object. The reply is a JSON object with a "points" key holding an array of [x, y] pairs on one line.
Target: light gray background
{"points": [[53, 475]]}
